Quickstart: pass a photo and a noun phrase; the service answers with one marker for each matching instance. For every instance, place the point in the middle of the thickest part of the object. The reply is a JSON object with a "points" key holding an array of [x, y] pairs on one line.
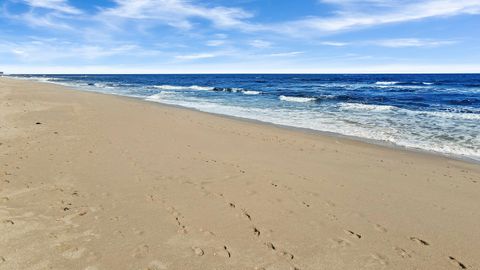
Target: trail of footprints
{"points": [[257, 233], [337, 242]]}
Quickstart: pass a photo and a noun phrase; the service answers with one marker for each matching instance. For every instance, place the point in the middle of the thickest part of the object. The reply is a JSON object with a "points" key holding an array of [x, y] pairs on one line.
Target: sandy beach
{"points": [[94, 182]]}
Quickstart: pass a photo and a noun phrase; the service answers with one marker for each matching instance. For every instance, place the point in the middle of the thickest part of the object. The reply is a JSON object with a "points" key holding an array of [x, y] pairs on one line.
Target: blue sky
{"points": [[239, 36]]}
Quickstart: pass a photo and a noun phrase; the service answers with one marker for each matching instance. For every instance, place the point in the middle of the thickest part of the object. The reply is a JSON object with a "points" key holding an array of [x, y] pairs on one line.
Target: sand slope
{"points": [[94, 182]]}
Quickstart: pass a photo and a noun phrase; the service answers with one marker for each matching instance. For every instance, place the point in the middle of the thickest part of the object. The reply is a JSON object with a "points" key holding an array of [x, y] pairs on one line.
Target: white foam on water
{"points": [[449, 115], [366, 107], [250, 92], [347, 122], [103, 85], [169, 87], [201, 88], [176, 87], [296, 99], [386, 83]]}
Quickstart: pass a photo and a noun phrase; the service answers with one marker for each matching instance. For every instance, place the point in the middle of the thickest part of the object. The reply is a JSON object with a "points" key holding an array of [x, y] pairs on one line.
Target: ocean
{"points": [[432, 112]]}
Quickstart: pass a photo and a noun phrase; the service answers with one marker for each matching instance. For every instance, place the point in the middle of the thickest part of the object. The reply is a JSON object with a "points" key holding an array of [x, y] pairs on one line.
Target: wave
{"points": [[227, 89], [366, 107], [160, 96], [177, 87], [449, 115], [236, 90], [297, 99], [250, 92], [390, 83], [386, 83], [104, 85], [207, 88]]}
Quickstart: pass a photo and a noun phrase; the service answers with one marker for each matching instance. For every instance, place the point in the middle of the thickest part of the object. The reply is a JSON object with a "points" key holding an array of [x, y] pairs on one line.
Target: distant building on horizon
{"points": [[1, 73]]}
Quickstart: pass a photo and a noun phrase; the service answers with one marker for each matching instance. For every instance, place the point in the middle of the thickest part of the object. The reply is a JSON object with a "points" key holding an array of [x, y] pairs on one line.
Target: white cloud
{"points": [[393, 12], [334, 43], [196, 56], [258, 43], [177, 13], [46, 50], [284, 54], [393, 43], [411, 42], [61, 6], [215, 42], [47, 21], [52, 14]]}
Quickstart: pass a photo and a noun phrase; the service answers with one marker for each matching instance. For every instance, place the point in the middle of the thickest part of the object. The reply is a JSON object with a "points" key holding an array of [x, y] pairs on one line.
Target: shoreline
{"points": [[93, 181], [334, 135]]}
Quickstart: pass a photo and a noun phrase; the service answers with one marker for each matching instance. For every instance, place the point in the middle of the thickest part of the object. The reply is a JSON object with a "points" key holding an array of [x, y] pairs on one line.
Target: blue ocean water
{"points": [[433, 112]]}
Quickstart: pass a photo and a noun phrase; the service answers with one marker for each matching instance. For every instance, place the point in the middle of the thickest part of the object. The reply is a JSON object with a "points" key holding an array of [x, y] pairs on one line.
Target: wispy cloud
{"points": [[284, 54], [196, 56], [49, 21], [193, 32], [334, 43], [393, 43], [259, 43], [45, 50], [351, 14], [61, 6], [216, 42], [177, 13], [51, 14], [411, 42]]}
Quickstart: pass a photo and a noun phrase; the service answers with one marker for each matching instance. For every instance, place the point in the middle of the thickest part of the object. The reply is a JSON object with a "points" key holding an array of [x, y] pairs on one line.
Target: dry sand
{"points": [[93, 182]]}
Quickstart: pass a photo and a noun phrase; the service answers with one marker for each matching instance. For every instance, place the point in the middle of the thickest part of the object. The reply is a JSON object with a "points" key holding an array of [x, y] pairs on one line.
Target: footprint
{"points": [[330, 204], [353, 234], [9, 221], [420, 241], [74, 253], [402, 252], [457, 263], [256, 231], [379, 228], [223, 252], [306, 204], [246, 214], [374, 260], [340, 243], [198, 251], [270, 245], [287, 255], [141, 251]]}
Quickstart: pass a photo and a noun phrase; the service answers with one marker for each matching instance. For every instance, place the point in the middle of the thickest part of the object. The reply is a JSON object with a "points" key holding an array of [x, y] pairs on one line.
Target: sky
{"points": [[239, 36]]}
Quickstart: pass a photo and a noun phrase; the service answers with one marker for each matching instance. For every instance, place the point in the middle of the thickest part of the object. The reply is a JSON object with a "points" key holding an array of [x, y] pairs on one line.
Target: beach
{"points": [[93, 181]]}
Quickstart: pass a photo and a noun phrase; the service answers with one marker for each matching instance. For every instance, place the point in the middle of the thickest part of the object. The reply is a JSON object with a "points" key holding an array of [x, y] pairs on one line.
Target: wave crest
{"points": [[366, 107], [386, 83], [297, 99], [177, 87]]}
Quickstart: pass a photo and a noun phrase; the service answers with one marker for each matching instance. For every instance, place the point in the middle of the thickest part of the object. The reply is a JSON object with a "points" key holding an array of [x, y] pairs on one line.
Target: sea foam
{"points": [[177, 87], [366, 107], [386, 83], [297, 99]]}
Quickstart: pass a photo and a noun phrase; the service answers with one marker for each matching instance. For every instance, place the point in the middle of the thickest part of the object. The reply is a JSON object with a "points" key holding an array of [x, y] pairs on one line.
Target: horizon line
{"points": [[254, 73]]}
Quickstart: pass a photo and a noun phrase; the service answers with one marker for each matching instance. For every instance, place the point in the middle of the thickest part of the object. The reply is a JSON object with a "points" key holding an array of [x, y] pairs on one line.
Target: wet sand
{"points": [[92, 182]]}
